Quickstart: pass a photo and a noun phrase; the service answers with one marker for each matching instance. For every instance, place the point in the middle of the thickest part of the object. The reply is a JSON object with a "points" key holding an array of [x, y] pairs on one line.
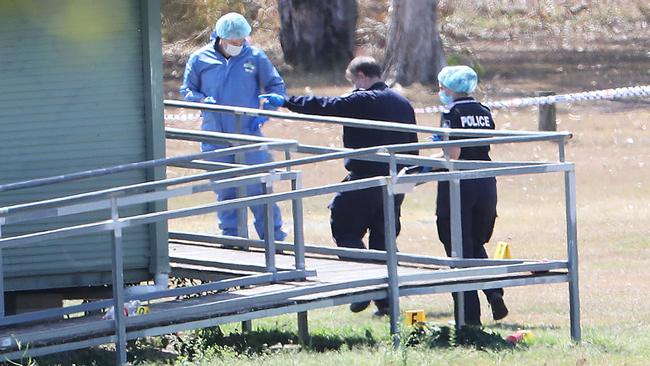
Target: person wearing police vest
{"points": [[356, 212], [478, 196]]}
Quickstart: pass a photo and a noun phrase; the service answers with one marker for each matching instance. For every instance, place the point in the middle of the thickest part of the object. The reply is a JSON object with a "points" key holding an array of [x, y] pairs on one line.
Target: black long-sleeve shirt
{"points": [[379, 103], [466, 112]]}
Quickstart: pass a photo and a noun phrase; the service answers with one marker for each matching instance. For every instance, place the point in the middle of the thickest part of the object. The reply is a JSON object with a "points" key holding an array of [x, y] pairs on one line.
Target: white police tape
{"points": [[183, 116], [618, 93], [609, 94]]}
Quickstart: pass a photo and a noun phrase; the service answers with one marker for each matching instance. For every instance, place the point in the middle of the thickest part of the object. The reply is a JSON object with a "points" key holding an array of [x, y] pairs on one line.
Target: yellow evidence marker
{"points": [[502, 251], [413, 317]]}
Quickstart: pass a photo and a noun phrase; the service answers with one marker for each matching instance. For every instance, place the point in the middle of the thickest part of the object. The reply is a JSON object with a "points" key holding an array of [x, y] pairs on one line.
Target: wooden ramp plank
{"points": [[329, 271]]}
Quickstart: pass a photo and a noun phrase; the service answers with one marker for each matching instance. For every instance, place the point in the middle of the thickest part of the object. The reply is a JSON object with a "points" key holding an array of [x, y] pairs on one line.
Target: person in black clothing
{"points": [[356, 212], [478, 196]]}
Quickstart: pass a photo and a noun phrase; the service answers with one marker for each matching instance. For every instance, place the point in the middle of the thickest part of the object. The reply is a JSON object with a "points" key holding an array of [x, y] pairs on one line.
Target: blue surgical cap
{"points": [[460, 79], [232, 26]]}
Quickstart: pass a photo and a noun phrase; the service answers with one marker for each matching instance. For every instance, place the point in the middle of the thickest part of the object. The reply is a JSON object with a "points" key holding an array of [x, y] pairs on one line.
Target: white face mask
{"points": [[232, 50]]}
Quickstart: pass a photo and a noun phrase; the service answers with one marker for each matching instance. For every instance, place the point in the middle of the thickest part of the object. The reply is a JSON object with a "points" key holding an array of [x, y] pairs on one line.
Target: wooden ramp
{"points": [[335, 282], [328, 269]]}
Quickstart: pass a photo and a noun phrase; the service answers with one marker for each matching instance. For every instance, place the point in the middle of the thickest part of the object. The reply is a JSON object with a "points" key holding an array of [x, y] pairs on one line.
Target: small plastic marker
{"points": [[413, 317], [502, 251]]}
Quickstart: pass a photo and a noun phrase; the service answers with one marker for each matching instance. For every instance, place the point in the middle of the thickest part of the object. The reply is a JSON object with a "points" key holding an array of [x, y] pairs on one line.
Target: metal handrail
{"points": [[142, 165], [237, 174], [360, 123]]}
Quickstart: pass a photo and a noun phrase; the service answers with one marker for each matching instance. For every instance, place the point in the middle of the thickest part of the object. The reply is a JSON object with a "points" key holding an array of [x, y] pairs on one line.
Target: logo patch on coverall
{"points": [[249, 66]]}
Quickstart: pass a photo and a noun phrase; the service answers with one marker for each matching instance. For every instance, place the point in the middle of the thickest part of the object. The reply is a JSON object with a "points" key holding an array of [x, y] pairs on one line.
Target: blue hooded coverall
{"points": [[234, 81]]}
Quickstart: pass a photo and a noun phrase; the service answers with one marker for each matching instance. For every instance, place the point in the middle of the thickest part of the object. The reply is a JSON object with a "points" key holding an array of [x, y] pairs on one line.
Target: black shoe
{"points": [[356, 307], [499, 309]]}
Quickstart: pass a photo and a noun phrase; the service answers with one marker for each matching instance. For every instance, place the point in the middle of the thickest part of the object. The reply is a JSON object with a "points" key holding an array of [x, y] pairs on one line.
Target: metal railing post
{"points": [[269, 230], [287, 156], [242, 213], [392, 165], [2, 276], [456, 228], [298, 225], [391, 260], [572, 246], [118, 285], [298, 246], [572, 253]]}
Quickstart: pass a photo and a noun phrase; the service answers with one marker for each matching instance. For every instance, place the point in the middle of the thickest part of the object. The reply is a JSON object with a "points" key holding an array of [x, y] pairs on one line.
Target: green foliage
{"points": [[198, 344], [431, 335], [481, 338], [188, 20], [465, 56]]}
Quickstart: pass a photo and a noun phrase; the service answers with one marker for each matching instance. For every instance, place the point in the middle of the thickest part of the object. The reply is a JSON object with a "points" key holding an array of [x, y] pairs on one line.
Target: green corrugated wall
{"points": [[76, 94]]}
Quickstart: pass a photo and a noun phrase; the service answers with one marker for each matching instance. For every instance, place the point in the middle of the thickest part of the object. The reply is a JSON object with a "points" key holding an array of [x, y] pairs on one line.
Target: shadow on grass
{"points": [[329, 342], [210, 342], [435, 336], [100, 356], [263, 340]]}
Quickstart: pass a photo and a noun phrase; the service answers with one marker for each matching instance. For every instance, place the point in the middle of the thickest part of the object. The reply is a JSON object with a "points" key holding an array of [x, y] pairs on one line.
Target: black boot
{"points": [[356, 307], [499, 309]]}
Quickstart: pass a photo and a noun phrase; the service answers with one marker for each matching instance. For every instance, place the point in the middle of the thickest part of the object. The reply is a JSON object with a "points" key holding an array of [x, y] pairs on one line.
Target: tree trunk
{"points": [[317, 34], [414, 52]]}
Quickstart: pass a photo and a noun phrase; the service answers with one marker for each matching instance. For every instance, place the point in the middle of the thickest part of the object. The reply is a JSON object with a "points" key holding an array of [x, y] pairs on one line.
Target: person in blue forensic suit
{"points": [[478, 196], [229, 71], [356, 212]]}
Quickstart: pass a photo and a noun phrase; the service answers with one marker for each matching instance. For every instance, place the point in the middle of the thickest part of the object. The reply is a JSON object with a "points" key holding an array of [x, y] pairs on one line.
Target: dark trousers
{"points": [[354, 213], [478, 214]]}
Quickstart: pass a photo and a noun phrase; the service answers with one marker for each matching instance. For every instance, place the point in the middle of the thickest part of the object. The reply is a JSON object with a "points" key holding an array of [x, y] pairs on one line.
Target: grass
{"points": [[549, 346], [274, 343]]}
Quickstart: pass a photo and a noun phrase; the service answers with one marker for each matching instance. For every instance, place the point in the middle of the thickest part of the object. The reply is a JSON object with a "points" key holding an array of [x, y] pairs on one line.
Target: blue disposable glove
{"points": [[208, 100], [273, 99]]}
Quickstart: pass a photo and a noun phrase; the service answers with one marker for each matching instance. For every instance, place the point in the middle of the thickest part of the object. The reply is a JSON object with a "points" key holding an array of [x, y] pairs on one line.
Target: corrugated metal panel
{"points": [[71, 98]]}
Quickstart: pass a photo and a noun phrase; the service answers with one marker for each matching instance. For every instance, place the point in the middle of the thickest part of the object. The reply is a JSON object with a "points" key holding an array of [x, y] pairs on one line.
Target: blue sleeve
{"points": [[270, 79], [191, 88], [326, 106]]}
